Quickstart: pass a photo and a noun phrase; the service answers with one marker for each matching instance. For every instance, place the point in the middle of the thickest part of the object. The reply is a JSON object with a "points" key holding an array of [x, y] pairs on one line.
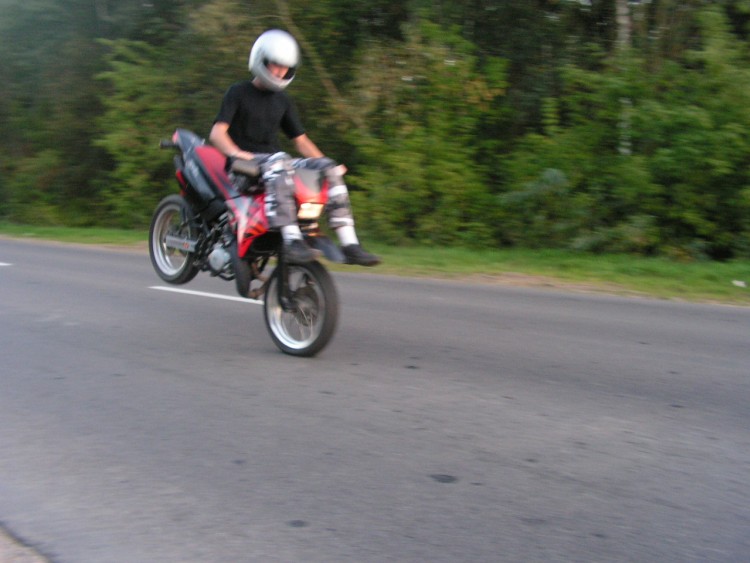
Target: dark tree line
{"points": [[602, 125]]}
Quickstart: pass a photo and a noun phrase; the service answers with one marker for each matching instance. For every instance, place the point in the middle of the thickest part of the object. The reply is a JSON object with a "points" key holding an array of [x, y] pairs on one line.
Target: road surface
{"points": [[445, 422]]}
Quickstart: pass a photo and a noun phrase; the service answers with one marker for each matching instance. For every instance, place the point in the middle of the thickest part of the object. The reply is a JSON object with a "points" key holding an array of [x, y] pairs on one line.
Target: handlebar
{"points": [[167, 144], [247, 167]]}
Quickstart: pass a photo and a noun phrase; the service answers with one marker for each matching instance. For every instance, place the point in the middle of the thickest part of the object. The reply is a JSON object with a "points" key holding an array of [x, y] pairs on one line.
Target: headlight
{"points": [[310, 210]]}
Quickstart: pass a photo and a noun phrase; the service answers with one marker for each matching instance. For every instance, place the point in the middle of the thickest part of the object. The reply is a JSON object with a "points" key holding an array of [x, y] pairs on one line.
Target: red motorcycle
{"points": [[214, 226]]}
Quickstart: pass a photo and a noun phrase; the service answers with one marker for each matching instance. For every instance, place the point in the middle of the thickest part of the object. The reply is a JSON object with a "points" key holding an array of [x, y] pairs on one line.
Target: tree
{"points": [[697, 137], [423, 101], [47, 104], [681, 190], [140, 110]]}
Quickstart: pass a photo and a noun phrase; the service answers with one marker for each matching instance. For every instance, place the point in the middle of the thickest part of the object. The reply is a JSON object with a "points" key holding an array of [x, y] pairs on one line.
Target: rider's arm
{"points": [[306, 147], [220, 138]]}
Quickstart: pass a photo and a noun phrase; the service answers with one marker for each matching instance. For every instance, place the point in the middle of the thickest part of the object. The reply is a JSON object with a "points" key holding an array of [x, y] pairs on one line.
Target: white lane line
{"points": [[204, 294], [5, 264]]}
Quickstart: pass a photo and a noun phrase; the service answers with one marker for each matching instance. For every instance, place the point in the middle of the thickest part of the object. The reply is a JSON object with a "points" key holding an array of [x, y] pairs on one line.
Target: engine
{"points": [[219, 260]]}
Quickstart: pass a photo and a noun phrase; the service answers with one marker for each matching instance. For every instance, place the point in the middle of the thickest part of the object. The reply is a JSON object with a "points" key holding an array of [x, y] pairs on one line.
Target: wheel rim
{"points": [[171, 221], [297, 329]]}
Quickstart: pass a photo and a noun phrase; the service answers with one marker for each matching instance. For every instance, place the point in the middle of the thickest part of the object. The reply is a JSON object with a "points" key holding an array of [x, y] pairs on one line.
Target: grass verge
{"points": [[702, 281]]}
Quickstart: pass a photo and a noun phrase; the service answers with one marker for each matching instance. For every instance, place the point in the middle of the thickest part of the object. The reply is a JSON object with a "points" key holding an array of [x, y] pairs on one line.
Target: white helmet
{"points": [[278, 47]]}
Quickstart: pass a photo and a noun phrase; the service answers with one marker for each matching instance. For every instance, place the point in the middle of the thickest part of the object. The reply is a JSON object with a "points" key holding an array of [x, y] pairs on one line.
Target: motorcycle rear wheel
{"points": [[307, 327], [173, 219]]}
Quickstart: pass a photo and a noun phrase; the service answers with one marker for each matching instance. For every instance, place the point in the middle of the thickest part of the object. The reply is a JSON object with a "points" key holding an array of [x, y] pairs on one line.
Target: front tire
{"points": [[173, 219], [308, 326]]}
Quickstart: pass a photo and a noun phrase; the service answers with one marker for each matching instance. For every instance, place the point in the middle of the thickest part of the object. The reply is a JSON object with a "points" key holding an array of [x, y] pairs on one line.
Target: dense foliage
{"points": [[602, 125]]}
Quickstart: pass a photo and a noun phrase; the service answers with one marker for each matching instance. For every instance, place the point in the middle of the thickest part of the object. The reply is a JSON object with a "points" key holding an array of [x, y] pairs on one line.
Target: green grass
{"points": [[620, 274], [80, 235]]}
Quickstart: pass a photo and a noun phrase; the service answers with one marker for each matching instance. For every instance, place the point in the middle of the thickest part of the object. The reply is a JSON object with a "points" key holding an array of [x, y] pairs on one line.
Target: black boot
{"points": [[355, 254], [298, 252]]}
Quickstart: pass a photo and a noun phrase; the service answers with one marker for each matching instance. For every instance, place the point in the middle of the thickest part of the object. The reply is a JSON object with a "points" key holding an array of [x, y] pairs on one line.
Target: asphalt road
{"points": [[444, 423]]}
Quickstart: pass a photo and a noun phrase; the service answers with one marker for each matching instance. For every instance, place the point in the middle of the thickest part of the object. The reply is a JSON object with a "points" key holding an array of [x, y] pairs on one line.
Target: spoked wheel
{"points": [[171, 241], [309, 321]]}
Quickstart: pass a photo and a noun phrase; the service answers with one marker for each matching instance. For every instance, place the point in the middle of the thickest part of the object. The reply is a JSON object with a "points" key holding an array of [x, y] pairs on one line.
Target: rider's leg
{"points": [[281, 209], [279, 197], [339, 210], [341, 219]]}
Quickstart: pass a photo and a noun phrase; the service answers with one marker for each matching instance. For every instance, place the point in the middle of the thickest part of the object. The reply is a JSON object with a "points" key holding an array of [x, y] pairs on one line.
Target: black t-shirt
{"points": [[255, 117]]}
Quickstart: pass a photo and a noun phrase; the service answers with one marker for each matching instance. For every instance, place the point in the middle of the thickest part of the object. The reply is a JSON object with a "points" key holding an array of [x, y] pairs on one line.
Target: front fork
{"points": [[285, 295]]}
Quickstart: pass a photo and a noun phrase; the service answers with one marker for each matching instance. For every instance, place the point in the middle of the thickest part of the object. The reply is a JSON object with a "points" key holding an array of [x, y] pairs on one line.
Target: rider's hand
{"points": [[244, 155]]}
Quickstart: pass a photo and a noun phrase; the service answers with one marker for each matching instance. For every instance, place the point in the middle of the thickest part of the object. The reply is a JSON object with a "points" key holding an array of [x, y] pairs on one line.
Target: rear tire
{"points": [[308, 328], [172, 218]]}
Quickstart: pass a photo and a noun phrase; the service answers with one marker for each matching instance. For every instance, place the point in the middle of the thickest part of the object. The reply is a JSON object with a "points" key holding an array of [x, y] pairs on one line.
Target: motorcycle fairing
{"points": [[247, 213], [310, 185], [205, 170]]}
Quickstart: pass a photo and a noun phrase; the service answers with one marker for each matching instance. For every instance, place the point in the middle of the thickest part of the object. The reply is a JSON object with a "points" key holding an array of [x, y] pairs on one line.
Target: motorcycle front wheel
{"points": [[172, 229], [308, 322]]}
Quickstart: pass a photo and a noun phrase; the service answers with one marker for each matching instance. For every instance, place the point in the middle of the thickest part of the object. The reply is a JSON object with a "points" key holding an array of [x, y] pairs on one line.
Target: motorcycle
{"points": [[214, 226]]}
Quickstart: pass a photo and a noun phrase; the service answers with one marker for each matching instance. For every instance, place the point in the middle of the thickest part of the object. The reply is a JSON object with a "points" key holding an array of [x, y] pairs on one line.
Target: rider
{"points": [[247, 127]]}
